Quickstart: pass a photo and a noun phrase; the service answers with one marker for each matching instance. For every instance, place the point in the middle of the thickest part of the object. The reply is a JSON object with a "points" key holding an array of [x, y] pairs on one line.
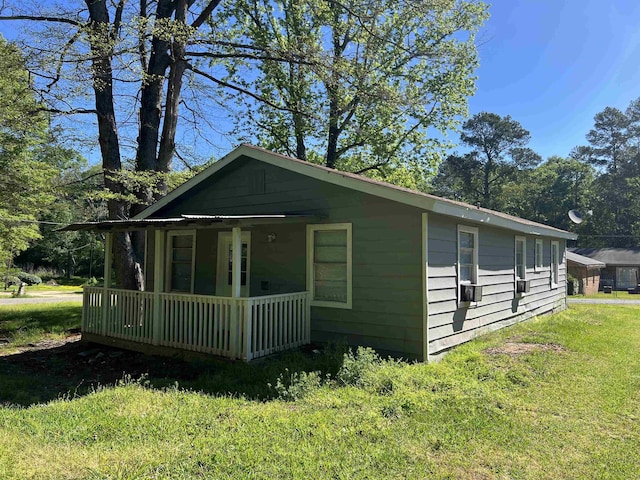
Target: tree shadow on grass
{"points": [[76, 369]]}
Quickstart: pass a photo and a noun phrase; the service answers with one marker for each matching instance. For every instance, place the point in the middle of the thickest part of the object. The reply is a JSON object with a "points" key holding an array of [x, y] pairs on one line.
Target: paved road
{"points": [[603, 301], [55, 298]]}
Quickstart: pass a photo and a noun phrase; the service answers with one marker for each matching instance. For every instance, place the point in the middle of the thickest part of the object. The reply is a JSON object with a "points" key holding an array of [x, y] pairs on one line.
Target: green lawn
{"points": [[617, 295], [21, 325], [568, 407]]}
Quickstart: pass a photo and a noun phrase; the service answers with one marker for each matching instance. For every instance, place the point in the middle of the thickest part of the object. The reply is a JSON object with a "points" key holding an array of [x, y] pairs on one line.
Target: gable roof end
{"points": [[584, 261], [359, 183]]}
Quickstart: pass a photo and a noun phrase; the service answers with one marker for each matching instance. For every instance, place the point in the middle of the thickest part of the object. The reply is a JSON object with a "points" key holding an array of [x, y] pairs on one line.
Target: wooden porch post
{"points": [[108, 256], [236, 287], [158, 283]]}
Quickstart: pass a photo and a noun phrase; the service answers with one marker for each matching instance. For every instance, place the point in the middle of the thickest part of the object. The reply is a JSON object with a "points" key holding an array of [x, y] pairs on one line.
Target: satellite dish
{"points": [[575, 216]]}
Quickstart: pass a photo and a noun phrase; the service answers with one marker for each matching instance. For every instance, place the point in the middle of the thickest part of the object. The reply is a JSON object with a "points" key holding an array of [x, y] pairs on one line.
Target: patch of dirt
{"points": [[69, 358], [521, 348], [47, 344]]}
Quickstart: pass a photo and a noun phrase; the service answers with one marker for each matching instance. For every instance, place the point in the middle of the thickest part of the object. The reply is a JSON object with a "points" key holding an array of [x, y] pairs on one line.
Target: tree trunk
{"points": [[332, 141], [176, 74], [151, 98], [128, 271]]}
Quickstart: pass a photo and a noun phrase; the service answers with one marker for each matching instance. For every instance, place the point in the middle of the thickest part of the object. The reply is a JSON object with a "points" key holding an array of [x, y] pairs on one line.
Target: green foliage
{"points": [[29, 278], [356, 85], [546, 193], [614, 149], [30, 158], [10, 280], [498, 156], [296, 385], [355, 366]]}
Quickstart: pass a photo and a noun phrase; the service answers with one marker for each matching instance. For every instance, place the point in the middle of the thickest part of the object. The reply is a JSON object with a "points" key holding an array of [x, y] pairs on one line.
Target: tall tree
{"points": [[27, 157], [613, 148], [132, 66], [546, 193], [363, 81], [133, 56], [497, 154]]}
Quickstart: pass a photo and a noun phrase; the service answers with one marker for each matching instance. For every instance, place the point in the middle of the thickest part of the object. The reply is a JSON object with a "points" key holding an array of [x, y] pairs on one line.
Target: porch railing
{"points": [[245, 328]]}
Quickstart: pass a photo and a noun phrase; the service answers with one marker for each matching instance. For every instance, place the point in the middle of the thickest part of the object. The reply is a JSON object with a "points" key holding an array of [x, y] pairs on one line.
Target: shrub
{"points": [[11, 280], [92, 282], [29, 278], [355, 366], [292, 387]]}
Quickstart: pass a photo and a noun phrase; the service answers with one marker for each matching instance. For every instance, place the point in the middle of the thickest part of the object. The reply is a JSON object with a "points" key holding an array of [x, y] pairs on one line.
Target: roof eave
{"points": [[429, 203]]}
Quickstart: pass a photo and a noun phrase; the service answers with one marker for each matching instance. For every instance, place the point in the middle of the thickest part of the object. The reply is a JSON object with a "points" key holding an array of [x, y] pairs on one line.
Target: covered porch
{"points": [[188, 256]]}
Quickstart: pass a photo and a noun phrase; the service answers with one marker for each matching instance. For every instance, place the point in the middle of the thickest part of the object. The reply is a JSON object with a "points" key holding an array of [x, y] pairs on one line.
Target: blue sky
{"points": [[550, 64], [553, 64]]}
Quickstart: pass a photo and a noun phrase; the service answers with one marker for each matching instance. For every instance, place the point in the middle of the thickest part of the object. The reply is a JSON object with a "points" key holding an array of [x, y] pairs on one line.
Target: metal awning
{"points": [[185, 221]]}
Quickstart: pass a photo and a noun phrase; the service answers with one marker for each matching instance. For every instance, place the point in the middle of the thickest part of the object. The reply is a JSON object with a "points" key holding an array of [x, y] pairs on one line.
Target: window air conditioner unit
{"points": [[470, 293], [523, 286]]}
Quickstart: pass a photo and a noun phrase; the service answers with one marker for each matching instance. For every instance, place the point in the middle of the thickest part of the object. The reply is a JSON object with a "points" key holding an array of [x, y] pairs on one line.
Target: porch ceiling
{"points": [[186, 221]]}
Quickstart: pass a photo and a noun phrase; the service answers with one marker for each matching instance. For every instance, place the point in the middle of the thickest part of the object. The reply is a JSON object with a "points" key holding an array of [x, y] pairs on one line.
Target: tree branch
{"points": [[117, 20], [242, 90], [61, 61], [37, 18], [73, 111], [377, 167], [205, 13], [249, 56]]}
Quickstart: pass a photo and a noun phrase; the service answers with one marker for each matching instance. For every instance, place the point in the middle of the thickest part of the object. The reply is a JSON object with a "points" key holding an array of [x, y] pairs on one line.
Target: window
{"points": [[626, 277], [467, 254], [538, 255], [555, 274], [180, 262], [329, 264], [521, 258]]}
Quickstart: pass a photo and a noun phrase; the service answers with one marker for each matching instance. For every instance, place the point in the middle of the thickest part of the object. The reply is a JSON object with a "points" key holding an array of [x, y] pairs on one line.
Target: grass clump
{"points": [[358, 369]]}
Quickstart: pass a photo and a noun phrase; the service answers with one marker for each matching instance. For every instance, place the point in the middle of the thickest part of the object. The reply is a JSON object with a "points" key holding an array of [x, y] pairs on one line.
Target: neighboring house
{"points": [[262, 252], [586, 270], [622, 265]]}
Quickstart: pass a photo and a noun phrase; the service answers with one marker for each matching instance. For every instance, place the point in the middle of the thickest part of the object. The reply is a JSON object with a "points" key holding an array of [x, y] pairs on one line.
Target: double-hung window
{"points": [[180, 261], [521, 258], [329, 265], [555, 264], [467, 255], [538, 255]]}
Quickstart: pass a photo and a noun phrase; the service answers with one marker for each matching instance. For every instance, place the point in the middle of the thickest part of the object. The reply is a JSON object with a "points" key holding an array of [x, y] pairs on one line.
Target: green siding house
{"points": [[262, 252]]}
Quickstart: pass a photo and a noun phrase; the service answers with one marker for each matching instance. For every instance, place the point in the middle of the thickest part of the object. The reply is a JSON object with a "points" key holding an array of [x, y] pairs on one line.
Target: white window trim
{"points": [[555, 264], [519, 238], [522, 239], [538, 259], [474, 232], [310, 284], [169, 262], [474, 273]]}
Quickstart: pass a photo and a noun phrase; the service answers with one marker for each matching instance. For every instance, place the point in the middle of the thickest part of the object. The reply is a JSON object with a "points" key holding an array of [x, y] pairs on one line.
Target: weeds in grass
{"points": [[482, 412], [292, 386]]}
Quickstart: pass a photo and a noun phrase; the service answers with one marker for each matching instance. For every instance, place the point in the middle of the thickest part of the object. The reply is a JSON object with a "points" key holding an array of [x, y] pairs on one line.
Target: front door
{"points": [[225, 264]]}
